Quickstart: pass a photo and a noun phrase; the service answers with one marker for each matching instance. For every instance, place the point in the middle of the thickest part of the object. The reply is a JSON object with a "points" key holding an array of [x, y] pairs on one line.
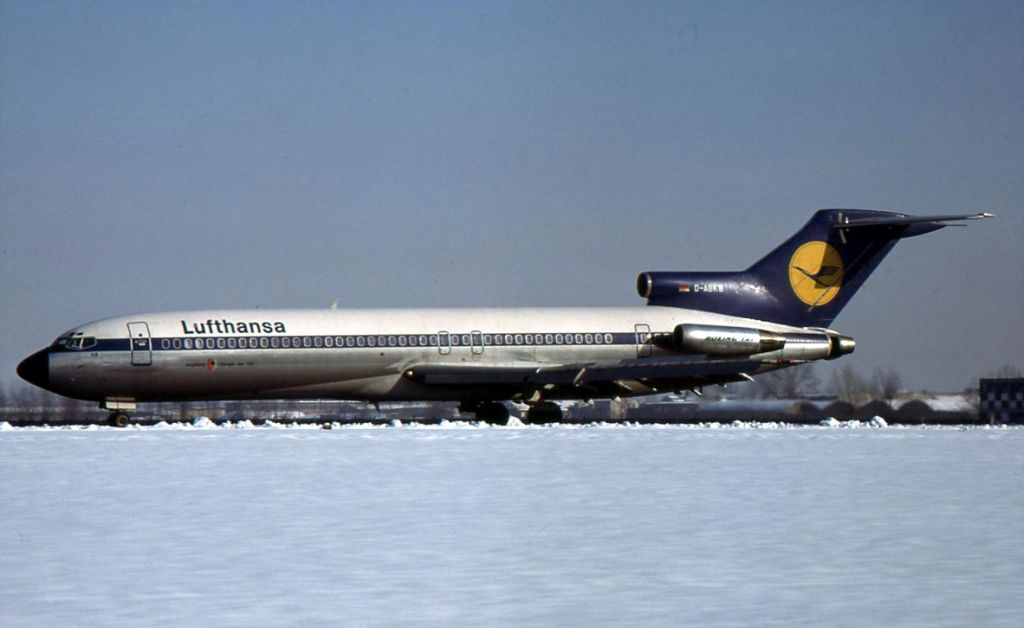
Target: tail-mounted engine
{"points": [[724, 341]]}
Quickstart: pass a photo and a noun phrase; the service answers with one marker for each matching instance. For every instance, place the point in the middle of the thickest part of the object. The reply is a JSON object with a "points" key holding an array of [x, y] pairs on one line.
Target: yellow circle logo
{"points": [[816, 273]]}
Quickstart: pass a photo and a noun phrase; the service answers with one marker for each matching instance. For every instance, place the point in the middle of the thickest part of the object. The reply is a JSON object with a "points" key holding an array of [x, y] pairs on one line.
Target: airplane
{"points": [[697, 329]]}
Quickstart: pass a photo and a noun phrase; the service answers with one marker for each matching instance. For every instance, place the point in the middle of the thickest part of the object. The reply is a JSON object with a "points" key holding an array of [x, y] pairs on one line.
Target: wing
{"points": [[583, 380]]}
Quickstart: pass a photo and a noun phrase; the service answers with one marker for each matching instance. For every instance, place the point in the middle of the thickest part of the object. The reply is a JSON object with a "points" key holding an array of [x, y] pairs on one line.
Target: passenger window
{"points": [[199, 343], [519, 339], [275, 342], [176, 343], [549, 339], [350, 341], [329, 342], [423, 341], [361, 341], [264, 343], [188, 343], [318, 342], [392, 341]]}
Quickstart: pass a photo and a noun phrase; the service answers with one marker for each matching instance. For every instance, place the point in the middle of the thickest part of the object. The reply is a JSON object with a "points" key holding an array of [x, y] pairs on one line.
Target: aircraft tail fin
{"points": [[807, 279]]}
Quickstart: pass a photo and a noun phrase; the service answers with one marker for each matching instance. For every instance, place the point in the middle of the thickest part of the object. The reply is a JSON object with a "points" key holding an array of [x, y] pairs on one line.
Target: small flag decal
{"points": [[684, 287]]}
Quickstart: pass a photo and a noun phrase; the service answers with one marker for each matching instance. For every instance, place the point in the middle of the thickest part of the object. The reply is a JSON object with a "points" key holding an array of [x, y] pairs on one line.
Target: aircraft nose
{"points": [[35, 369]]}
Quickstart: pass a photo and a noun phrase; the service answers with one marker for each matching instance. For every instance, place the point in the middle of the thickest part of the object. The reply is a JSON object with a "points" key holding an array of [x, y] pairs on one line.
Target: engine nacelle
{"points": [[722, 340], [657, 286]]}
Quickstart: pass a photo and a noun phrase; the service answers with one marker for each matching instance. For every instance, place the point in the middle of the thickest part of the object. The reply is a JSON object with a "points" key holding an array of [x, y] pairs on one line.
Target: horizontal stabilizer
{"points": [[845, 222]]}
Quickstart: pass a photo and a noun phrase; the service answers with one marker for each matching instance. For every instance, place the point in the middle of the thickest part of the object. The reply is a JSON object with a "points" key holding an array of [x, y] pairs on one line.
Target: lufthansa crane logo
{"points": [[816, 273]]}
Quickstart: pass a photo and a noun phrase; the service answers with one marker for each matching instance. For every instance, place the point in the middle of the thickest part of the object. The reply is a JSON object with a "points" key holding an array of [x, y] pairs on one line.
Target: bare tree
{"points": [[71, 410], [1006, 371], [789, 383], [847, 385], [886, 384], [29, 404]]}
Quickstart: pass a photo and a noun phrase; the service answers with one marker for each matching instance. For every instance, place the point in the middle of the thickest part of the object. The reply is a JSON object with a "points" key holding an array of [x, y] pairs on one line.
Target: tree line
{"points": [[845, 383], [24, 404]]}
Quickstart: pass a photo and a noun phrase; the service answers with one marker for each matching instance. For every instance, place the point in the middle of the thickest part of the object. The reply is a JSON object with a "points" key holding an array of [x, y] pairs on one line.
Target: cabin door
{"points": [[142, 353], [643, 340]]}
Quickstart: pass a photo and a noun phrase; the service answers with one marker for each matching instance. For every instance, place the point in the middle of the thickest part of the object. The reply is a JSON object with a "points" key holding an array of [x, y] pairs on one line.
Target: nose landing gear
{"points": [[118, 419], [119, 408]]}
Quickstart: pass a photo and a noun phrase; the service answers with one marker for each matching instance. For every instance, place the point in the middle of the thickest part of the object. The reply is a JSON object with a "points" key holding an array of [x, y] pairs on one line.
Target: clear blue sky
{"points": [[159, 156]]}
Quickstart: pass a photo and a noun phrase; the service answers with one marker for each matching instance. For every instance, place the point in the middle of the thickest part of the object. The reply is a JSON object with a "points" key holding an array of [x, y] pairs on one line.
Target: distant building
{"points": [[1002, 400]]}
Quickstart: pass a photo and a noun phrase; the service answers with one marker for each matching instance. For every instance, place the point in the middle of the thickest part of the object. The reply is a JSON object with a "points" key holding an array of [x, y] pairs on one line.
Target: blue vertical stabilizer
{"points": [[807, 279]]}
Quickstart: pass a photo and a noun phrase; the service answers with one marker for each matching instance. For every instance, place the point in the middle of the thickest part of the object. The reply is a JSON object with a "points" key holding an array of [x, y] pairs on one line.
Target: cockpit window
{"points": [[75, 342]]}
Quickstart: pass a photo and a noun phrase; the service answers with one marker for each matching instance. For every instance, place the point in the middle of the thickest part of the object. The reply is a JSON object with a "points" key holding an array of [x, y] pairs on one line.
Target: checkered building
{"points": [[1002, 400]]}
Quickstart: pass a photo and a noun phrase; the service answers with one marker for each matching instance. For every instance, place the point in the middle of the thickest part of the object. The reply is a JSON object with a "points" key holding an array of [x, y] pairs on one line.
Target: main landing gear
{"points": [[544, 412], [487, 411], [496, 413]]}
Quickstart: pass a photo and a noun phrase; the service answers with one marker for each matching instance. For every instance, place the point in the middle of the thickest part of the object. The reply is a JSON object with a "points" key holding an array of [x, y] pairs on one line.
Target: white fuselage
{"points": [[346, 354]]}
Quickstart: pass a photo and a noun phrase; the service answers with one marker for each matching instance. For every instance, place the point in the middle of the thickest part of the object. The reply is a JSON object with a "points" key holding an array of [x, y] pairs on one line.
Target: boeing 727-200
{"points": [[697, 329]]}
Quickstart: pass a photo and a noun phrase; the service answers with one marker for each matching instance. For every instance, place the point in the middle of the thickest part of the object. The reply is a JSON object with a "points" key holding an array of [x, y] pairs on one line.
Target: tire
{"points": [[492, 412], [544, 412], [119, 419]]}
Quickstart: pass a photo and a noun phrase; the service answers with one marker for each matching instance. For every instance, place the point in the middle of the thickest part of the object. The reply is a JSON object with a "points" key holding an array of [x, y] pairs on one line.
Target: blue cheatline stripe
{"points": [[102, 344], [376, 341]]}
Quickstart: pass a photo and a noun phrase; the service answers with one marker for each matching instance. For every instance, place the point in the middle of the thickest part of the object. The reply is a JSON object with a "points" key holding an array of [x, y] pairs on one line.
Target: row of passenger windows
{"points": [[475, 339]]}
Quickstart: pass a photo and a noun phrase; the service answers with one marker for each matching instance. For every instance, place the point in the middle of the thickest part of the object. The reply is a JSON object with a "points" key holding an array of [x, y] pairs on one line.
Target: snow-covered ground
{"points": [[465, 525]]}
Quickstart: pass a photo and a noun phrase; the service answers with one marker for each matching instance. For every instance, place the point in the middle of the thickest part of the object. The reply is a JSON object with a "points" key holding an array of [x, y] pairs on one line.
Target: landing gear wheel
{"points": [[492, 412], [118, 419], [544, 412]]}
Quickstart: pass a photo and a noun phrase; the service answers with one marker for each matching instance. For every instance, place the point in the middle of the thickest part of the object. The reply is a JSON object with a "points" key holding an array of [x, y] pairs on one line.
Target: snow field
{"points": [[466, 524]]}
